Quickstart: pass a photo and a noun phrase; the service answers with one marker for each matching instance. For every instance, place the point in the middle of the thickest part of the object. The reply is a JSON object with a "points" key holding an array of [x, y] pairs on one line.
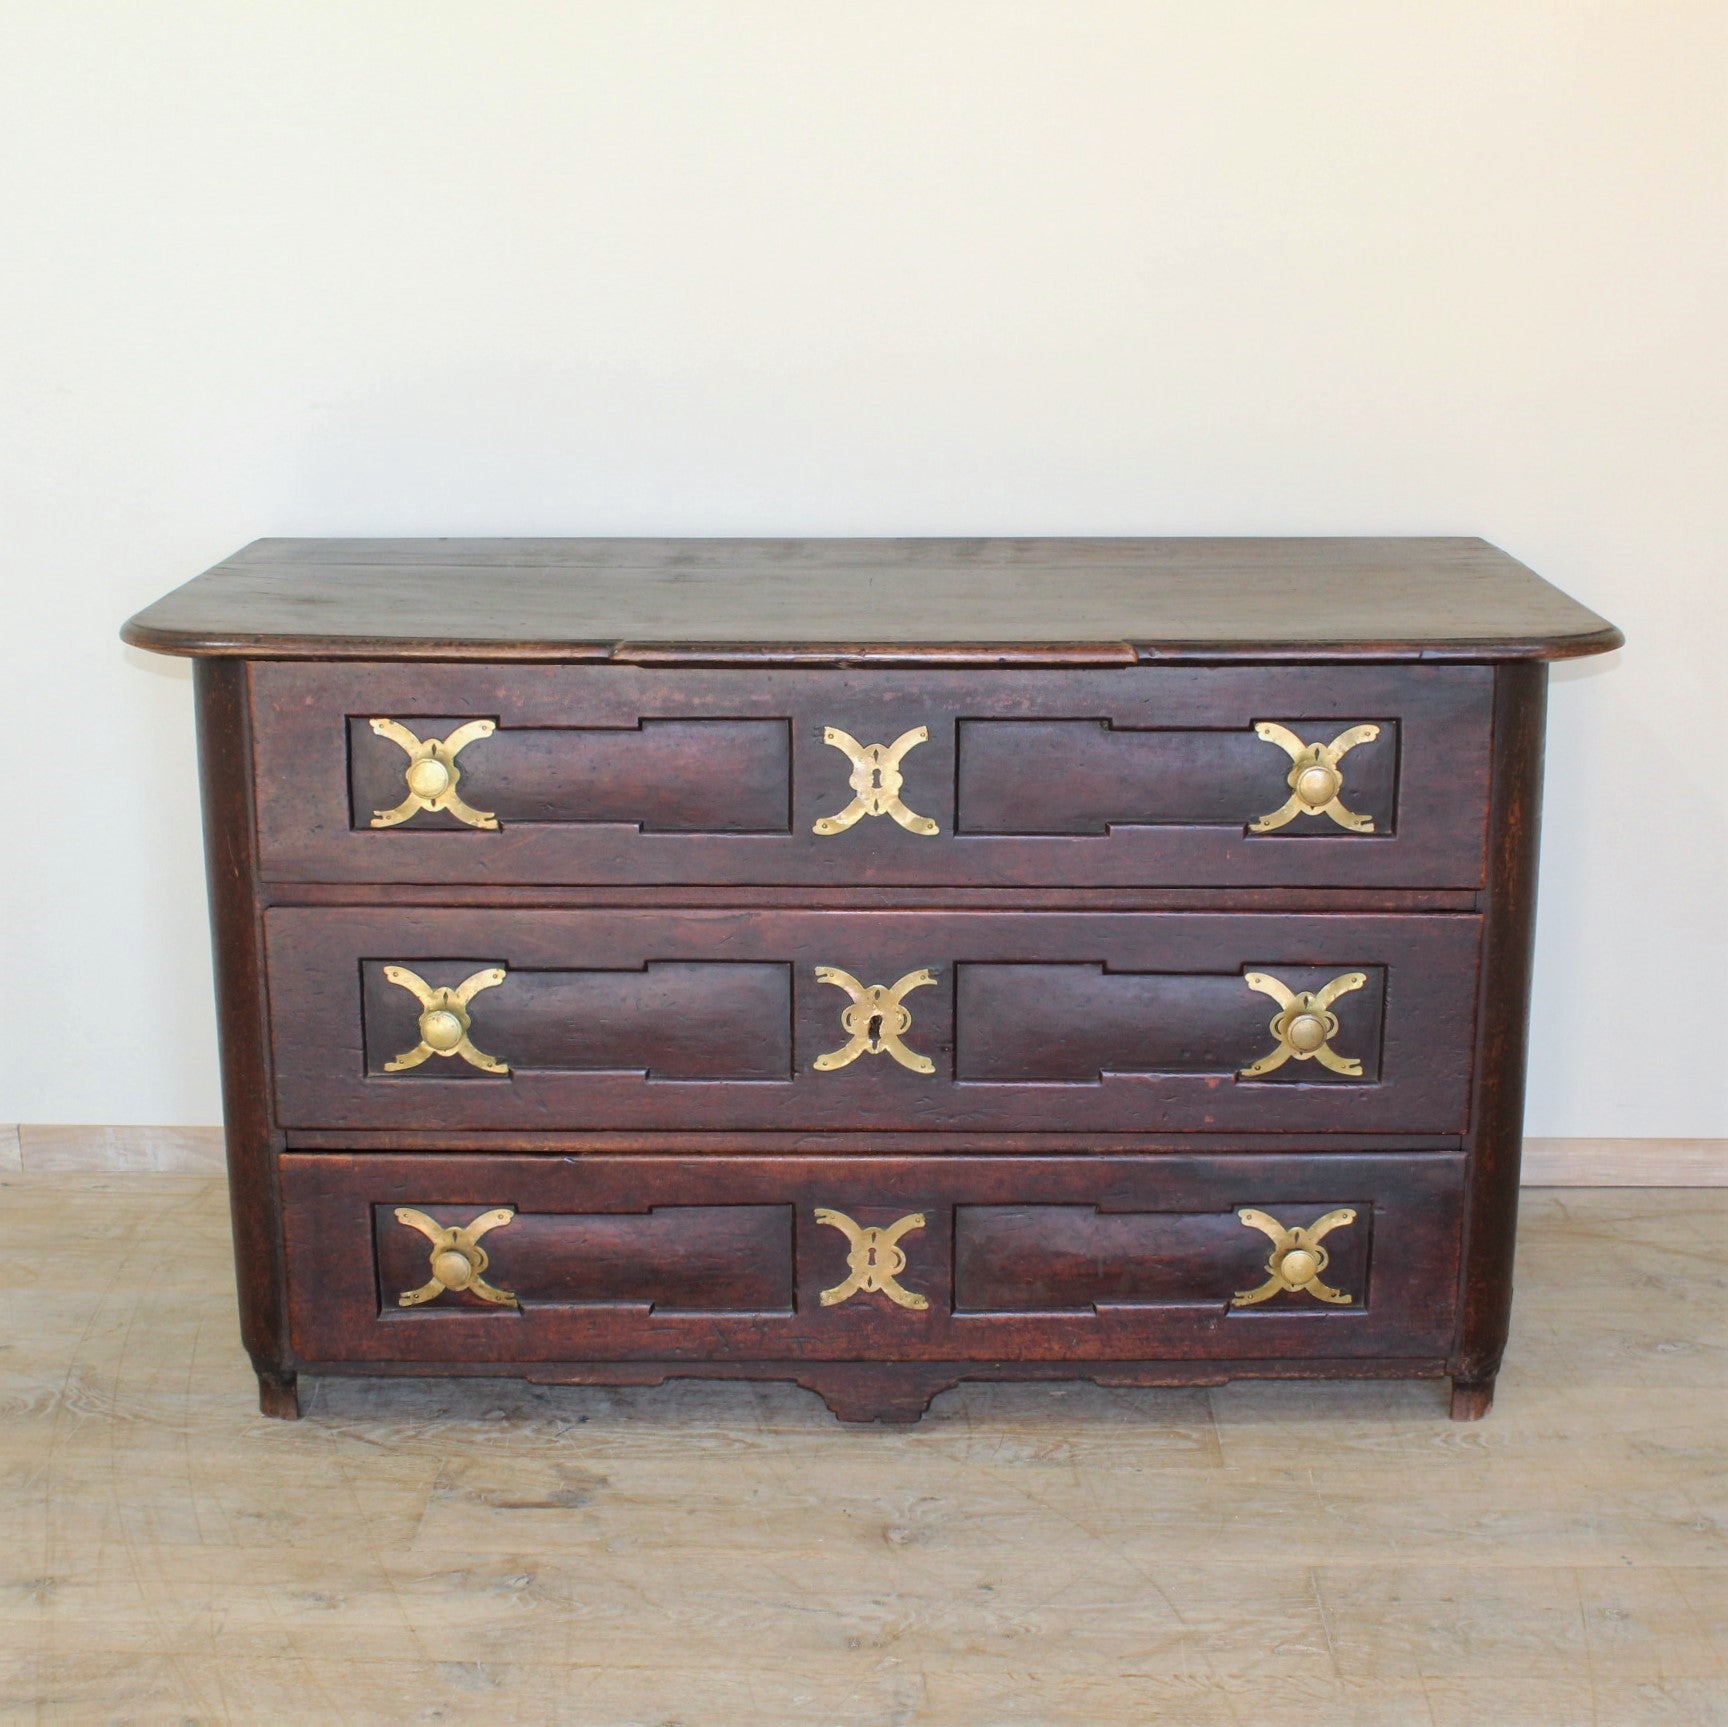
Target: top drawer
{"points": [[1249, 776]]}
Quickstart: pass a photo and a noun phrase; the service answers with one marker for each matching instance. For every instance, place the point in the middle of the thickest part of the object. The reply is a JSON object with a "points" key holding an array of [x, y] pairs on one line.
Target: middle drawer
{"points": [[983, 1021]]}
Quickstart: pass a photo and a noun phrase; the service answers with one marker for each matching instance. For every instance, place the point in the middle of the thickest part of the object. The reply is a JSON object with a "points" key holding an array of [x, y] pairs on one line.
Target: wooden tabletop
{"points": [[908, 602]]}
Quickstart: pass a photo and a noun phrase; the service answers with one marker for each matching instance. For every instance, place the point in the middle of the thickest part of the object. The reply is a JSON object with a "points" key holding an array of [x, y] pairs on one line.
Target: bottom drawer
{"points": [[457, 1258]]}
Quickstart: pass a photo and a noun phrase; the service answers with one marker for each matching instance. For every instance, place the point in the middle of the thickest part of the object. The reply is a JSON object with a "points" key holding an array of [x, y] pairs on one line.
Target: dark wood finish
{"points": [[668, 1259], [1089, 905], [706, 776], [1073, 1024], [843, 1141], [225, 760], [1420, 1085], [652, 755], [870, 898], [343, 1303], [278, 1394], [670, 1020], [1471, 1400], [901, 1391], [1032, 1258], [1497, 1142], [840, 601], [1087, 776]]}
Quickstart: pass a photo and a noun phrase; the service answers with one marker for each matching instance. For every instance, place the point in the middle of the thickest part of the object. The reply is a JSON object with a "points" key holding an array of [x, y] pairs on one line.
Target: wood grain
{"points": [[1054, 1553], [157, 1150], [1503, 1019], [1403, 1257], [826, 602], [662, 721], [1421, 1086], [1547, 1162], [1625, 1163], [662, 1258], [615, 774], [670, 776], [227, 781]]}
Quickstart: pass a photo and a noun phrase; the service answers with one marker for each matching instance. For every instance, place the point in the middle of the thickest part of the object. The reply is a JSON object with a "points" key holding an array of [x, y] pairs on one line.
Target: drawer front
{"points": [[448, 1258], [946, 1021], [1334, 776]]}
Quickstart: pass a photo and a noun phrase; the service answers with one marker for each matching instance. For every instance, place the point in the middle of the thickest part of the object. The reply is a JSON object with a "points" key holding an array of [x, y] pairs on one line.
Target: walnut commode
{"points": [[554, 905]]}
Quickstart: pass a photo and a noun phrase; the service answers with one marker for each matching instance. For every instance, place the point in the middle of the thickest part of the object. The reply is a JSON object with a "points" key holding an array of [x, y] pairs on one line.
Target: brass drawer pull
{"points": [[432, 773], [875, 1020], [457, 1259], [873, 1260], [444, 1019], [876, 781], [1304, 1024], [1315, 778], [1297, 1259]]}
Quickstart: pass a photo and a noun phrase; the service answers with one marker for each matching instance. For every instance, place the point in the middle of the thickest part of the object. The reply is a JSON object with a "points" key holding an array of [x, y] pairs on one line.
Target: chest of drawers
{"points": [[873, 964]]}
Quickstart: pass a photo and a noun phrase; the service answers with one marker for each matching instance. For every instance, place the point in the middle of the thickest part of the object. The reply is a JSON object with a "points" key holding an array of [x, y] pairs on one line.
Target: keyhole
{"points": [[874, 1030], [870, 1259], [875, 779]]}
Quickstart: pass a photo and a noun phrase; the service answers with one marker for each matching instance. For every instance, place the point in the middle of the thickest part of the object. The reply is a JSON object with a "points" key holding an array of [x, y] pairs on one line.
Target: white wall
{"points": [[847, 266]]}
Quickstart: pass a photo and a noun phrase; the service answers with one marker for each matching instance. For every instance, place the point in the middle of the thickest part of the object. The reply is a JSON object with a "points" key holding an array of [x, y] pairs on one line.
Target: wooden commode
{"points": [[873, 963]]}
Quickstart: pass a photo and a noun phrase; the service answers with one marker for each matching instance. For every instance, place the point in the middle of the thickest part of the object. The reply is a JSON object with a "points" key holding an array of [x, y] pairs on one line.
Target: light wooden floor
{"points": [[721, 1556]]}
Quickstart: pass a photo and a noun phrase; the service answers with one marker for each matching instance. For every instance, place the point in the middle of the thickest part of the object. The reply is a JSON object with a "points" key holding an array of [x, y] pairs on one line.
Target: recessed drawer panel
{"points": [[1074, 1258], [1152, 776], [933, 1021], [669, 1258], [448, 1257], [674, 1019], [660, 774], [1089, 776], [1073, 1024]]}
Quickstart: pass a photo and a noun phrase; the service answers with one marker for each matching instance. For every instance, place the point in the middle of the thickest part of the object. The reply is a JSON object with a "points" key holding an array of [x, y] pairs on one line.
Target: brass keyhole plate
{"points": [[874, 1259], [876, 781], [874, 1020]]}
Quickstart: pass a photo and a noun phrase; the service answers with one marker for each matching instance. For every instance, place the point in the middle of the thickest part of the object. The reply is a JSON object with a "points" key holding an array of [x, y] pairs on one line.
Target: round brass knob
{"points": [[1305, 1033], [1299, 1265], [1317, 785], [440, 1028], [428, 778], [453, 1268]]}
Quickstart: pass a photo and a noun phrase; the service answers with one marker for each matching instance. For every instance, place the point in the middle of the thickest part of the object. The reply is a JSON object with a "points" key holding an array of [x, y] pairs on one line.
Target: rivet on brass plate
{"points": [[1297, 1259], [875, 1020], [1304, 1024], [431, 773], [876, 781], [457, 1259], [1315, 778], [444, 1019], [874, 1259]]}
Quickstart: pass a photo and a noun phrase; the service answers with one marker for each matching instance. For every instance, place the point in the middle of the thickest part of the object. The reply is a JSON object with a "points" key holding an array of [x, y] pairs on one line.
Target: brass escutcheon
{"points": [[457, 1259], [876, 781], [874, 1259], [1304, 1024], [1297, 1259], [1315, 779], [444, 1019], [432, 773], [875, 1020]]}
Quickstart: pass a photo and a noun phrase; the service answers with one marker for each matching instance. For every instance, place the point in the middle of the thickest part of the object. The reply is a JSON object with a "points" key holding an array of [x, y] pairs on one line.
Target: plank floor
{"points": [[709, 1555]]}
